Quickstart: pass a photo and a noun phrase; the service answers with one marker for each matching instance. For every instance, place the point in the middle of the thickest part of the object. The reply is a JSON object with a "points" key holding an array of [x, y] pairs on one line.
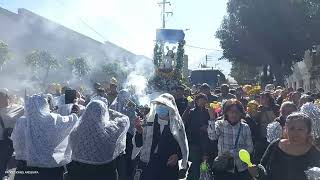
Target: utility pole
{"points": [[208, 58], [164, 13]]}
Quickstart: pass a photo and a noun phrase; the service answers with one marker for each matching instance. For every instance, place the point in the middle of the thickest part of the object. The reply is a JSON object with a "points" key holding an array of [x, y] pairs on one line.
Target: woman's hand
{"points": [[173, 160], [253, 171], [211, 113], [138, 125]]}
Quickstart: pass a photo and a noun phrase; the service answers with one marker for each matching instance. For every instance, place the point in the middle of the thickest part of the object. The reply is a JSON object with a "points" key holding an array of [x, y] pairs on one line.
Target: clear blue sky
{"points": [[132, 23]]}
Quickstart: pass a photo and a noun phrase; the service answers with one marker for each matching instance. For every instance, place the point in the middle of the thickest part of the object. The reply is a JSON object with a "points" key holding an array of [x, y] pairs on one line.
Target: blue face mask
{"points": [[162, 111]]}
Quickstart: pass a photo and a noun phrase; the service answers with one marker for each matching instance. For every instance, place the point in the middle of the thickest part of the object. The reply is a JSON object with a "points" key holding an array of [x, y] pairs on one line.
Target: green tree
{"points": [[180, 59], [157, 54], [244, 73], [4, 54], [42, 60], [116, 70], [79, 66], [270, 32]]}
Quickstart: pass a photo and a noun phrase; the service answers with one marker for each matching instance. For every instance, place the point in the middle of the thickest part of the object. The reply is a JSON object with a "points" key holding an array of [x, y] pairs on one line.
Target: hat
{"points": [[205, 85], [269, 87]]}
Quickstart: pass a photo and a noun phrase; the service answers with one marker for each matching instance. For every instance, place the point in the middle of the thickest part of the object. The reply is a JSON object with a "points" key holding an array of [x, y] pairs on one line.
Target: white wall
{"points": [[301, 76]]}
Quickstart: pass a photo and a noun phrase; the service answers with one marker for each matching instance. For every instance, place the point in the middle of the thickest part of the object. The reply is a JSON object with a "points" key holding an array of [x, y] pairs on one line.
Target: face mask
{"points": [[162, 111]]}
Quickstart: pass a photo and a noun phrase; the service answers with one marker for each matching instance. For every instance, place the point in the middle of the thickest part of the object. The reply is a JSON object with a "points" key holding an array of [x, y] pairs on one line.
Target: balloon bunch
{"points": [[216, 106], [254, 91], [252, 107], [247, 88]]}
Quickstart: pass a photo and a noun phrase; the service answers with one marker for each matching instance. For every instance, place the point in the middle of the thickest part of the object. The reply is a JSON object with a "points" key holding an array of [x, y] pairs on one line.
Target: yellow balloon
{"points": [[245, 157], [189, 99], [212, 105]]}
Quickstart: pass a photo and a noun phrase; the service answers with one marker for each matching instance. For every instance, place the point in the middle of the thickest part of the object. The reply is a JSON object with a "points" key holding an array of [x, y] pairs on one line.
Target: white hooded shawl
{"points": [[99, 137], [176, 127], [40, 137]]}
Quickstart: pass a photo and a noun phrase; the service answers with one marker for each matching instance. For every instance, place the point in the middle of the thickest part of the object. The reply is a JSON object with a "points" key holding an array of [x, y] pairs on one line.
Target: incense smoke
{"points": [[138, 79]]}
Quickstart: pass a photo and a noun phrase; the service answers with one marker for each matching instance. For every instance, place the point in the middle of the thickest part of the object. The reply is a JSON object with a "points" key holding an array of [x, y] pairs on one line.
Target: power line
{"points": [[90, 27], [197, 47], [62, 4]]}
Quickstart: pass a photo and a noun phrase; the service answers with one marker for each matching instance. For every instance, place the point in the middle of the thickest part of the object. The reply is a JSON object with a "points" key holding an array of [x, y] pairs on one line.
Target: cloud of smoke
{"points": [[142, 71], [26, 31]]}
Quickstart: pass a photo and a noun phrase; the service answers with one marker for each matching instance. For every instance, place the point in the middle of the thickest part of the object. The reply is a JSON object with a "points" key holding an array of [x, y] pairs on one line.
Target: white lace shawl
{"points": [[99, 137], [40, 137]]}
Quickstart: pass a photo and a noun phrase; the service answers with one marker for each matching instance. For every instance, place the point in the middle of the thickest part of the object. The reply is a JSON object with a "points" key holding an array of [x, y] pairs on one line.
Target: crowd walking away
{"points": [[201, 132]]}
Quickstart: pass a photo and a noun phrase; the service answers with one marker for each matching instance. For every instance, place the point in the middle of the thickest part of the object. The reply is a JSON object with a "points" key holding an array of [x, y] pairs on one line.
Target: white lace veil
{"points": [[97, 138], [43, 136]]}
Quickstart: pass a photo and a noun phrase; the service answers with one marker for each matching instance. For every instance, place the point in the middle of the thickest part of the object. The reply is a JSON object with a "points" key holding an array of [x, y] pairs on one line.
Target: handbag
{"points": [[6, 131], [225, 162]]}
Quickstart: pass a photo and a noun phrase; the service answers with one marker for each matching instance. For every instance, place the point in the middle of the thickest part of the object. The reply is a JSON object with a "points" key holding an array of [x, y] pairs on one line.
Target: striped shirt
{"points": [[226, 135]]}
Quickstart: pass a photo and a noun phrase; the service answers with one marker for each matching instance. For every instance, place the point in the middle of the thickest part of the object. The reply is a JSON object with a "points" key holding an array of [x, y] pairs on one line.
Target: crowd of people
{"points": [[107, 135]]}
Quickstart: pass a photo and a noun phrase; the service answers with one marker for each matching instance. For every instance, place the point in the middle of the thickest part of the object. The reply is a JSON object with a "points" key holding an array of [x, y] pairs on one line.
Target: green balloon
{"points": [[204, 167]]}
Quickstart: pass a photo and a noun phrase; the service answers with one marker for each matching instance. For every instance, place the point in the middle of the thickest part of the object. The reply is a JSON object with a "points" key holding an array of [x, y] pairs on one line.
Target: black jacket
{"points": [[182, 104], [196, 123]]}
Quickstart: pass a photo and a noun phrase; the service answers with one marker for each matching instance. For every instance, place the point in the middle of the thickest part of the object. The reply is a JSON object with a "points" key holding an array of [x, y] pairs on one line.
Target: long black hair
{"points": [[272, 103]]}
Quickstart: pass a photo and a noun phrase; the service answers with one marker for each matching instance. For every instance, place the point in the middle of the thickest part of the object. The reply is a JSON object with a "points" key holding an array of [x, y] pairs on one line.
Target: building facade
{"points": [[306, 73]]}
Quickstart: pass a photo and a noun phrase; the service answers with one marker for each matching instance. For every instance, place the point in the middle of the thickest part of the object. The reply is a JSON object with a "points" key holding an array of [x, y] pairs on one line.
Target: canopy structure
{"points": [[170, 35]]}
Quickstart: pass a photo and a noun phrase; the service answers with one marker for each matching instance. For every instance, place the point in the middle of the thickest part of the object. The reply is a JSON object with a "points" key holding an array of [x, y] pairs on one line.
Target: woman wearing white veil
{"points": [[97, 140], [162, 141], [125, 105], [313, 111], [40, 140]]}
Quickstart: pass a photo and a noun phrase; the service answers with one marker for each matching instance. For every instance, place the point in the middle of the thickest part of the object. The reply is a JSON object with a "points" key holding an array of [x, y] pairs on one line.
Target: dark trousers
{"points": [[24, 172], [121, 165], [155, 170], [195, 158], [261, 146], [81, 171], [245, 175], [125, 165], [6, 150]]}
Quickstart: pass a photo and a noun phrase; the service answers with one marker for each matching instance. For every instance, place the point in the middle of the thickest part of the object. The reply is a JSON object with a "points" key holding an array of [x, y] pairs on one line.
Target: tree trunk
{"points": [[278, 73], [46, 77], [264, 76]]}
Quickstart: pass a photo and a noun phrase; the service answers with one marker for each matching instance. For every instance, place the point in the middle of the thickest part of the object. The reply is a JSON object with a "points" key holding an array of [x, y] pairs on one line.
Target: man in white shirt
{"points": [[9, 113]]}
